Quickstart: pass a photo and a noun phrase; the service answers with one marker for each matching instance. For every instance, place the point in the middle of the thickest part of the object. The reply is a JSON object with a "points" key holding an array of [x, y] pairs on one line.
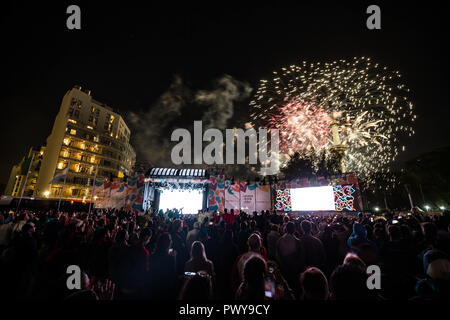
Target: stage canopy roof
{"points": [[177, 173]]}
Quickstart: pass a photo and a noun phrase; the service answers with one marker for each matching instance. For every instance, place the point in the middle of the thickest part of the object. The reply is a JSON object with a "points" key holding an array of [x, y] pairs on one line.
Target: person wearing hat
{"points": [[436, 285]]}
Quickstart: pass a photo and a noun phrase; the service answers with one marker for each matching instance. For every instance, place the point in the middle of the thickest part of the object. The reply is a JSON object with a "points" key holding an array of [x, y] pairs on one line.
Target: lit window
{"points": [[71, 120], [60, 165], [89, 127], [83, 146], [73, 131], [66, 141]]}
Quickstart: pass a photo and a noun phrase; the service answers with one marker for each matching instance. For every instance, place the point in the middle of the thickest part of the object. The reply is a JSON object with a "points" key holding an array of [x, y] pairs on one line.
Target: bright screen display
{"points": [[313, 199], [191, 201]]}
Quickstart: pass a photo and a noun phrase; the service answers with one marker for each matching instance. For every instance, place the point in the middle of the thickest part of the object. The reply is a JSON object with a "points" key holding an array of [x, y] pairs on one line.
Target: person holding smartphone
{"points": [[253, 285], [262, 281]]}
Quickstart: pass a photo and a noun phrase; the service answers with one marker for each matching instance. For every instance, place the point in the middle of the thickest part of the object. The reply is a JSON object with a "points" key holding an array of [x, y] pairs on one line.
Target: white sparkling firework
{"points": [[368, 102]]}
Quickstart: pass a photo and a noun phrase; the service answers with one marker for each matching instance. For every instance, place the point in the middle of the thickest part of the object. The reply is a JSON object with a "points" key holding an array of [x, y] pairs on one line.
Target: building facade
{"points": [[92, 140], [18, 181]]}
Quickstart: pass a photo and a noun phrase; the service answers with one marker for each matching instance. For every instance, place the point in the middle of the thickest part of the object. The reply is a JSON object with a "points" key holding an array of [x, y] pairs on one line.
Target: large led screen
{"points": [[313, 199], [191, 202]]}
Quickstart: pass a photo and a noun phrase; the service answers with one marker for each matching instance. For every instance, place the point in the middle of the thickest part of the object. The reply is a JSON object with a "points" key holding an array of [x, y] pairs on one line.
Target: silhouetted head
{"points": [[306, 226], [198, 251], [254, 242], [314, 284]]}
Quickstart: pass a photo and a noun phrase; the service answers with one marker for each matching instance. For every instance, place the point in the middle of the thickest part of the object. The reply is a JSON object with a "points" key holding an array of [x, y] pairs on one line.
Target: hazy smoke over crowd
{"points": [[177, 108]]}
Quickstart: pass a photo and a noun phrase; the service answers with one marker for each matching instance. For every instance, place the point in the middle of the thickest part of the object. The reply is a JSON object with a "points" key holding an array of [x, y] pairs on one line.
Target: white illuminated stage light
{"points": [[313, 199], [191, 202]]}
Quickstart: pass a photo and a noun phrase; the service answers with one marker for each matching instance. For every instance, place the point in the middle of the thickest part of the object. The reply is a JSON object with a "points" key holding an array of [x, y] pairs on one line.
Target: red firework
{"points": [[303, 128]]}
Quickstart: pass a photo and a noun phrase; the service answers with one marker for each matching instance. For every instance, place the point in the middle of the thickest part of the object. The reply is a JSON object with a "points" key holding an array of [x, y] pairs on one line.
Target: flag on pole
{"points": [[61, 175]]}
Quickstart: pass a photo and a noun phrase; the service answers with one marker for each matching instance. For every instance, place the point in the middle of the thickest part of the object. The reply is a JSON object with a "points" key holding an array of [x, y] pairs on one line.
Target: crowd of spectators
{"points": [[230, 255]]}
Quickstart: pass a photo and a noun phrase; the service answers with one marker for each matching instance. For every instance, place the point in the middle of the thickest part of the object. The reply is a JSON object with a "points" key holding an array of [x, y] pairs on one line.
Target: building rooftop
{"points": [[103, 105]]}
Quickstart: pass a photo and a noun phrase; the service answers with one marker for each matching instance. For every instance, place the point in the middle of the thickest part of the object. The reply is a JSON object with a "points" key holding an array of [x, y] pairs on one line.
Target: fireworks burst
{"points": [[367, 101], [302, 126]]}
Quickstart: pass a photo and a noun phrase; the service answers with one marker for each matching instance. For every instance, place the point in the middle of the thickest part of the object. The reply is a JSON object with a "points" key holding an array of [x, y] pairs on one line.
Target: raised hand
{"points": [[106, 291]]}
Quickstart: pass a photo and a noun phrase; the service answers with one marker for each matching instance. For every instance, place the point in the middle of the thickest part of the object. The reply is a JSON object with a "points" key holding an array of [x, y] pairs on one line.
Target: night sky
{"points": [[128, 54]]}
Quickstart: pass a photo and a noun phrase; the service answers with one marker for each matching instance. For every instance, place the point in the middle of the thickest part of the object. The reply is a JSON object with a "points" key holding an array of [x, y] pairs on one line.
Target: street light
{"points": [[427, 207], [442, 207], [46, 194], [377, 209]]}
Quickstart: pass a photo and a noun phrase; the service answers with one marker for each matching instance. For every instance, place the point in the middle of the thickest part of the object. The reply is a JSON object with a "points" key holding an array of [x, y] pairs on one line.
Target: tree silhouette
{"points": [[301, 166]]}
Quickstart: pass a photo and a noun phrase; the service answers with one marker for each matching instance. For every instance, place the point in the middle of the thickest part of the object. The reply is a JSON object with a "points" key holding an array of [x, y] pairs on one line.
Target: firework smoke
{"points": [[221, 101], [153, 127]]}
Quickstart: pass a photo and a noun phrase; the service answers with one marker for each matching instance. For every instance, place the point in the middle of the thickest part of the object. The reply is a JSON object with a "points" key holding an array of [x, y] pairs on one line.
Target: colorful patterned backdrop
{"points": [[343, 197], [283, 200], [249, 197], [216, 193], [120, 194]]}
